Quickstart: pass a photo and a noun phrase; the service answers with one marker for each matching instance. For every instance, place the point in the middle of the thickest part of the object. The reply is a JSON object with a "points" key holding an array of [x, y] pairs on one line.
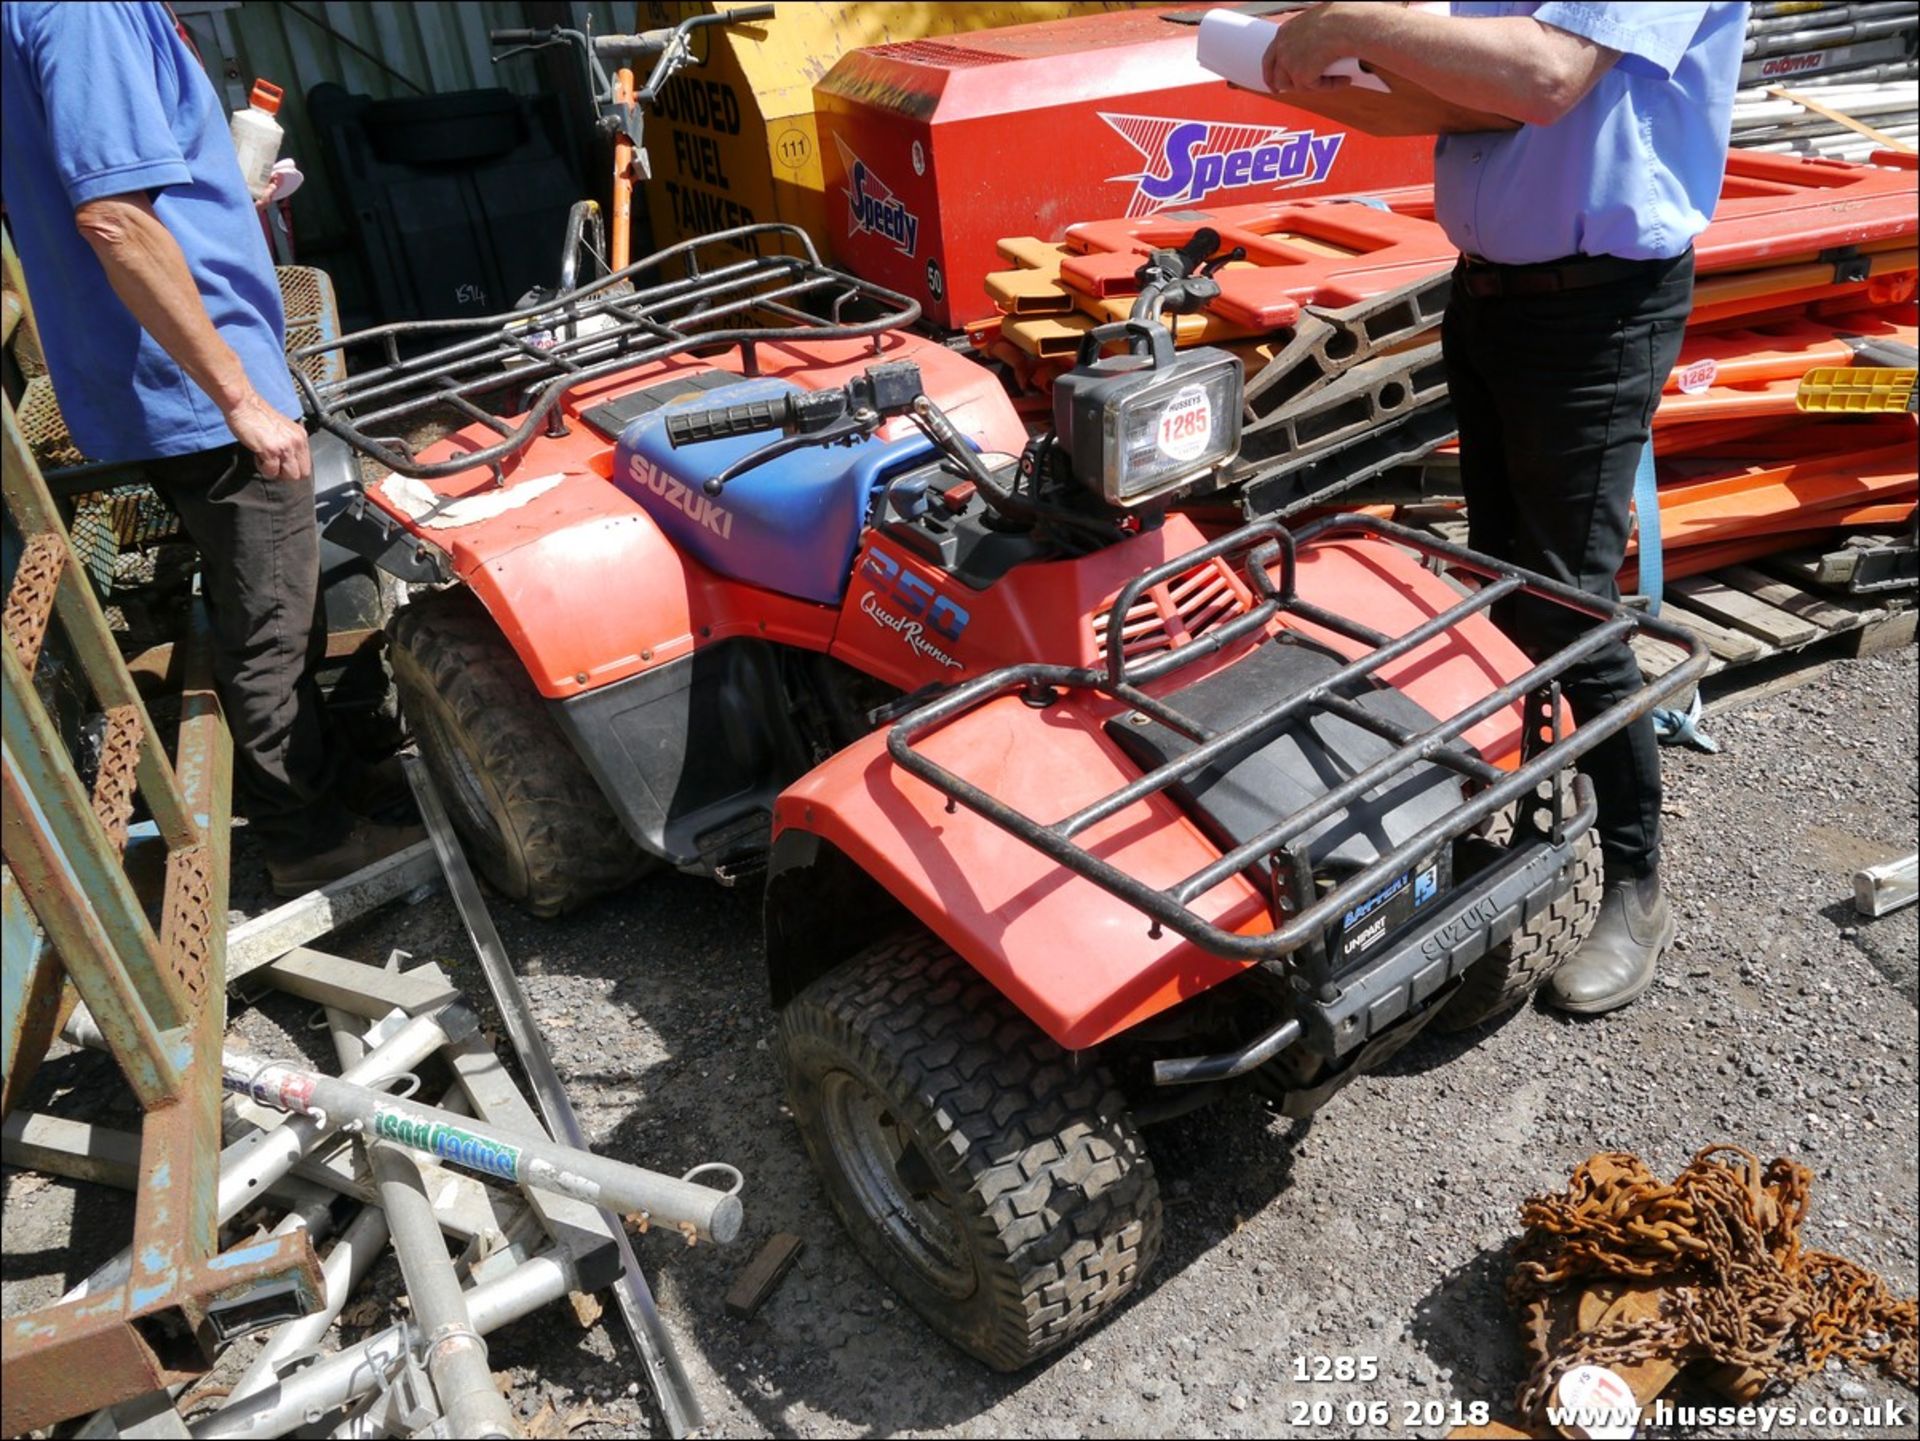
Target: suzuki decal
{"points": [[1188, 160], [871, 206], [681, 497]]}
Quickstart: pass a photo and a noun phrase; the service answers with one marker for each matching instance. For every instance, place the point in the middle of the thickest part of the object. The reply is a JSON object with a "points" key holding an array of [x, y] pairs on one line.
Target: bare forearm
{"points": [[1507, 65], [147, 270]]}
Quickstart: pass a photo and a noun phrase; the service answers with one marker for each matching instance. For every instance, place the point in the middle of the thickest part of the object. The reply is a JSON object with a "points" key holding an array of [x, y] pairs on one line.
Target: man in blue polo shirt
{"points": [[159, 313], [1575, 280]]}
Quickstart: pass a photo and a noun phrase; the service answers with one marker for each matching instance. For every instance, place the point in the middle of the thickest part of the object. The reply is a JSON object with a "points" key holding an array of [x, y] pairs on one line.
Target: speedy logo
{"points": [[1188, 160], [684, 498], [871, 206]]}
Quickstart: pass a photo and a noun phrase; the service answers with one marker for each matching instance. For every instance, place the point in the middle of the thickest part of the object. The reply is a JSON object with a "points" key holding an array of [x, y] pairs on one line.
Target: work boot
{"points": [[360, 847], [379, 792], [1616, 963]]}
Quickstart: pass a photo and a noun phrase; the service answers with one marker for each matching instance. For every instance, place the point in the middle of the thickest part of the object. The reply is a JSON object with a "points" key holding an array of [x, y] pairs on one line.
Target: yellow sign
{"points": [[733, 140]]}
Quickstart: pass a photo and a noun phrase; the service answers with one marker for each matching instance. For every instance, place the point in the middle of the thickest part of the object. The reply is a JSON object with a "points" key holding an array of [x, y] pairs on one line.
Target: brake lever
{"points": [[525, 50], [856, 426], [1212, 267]]}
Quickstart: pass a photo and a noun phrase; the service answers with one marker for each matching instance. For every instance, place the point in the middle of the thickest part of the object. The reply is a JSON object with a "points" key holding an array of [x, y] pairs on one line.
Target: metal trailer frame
{"points": [[159, 999], [679, 1402]]}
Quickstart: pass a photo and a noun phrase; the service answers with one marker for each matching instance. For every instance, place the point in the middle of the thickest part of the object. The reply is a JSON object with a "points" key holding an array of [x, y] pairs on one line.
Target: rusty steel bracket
{"points": [[158, 998]]}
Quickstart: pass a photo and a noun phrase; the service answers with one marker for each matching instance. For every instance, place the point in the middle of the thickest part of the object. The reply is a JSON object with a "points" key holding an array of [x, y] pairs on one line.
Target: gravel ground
{"points": [[1784, 1023]]}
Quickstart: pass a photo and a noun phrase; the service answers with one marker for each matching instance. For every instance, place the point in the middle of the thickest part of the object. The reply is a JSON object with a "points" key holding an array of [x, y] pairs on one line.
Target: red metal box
{"points": [[936, 149]]}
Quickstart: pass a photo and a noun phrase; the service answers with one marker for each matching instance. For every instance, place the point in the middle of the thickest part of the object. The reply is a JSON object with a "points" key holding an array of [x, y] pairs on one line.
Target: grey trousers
{"points": [[260, 576]]}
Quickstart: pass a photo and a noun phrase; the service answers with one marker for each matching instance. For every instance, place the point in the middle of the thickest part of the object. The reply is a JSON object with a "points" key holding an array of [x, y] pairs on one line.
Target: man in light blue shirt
{"points": [[1575, 230], [159, 312]]}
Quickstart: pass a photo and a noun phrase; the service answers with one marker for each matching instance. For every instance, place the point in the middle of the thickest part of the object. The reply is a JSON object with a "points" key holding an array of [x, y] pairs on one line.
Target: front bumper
{"points": [[1414, 966]]}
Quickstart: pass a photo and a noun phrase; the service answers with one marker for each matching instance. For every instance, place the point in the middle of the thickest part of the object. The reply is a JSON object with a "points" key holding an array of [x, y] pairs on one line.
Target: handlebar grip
{"points": [[515, 37], [747, 14], [690, 427], [1199, 249]]}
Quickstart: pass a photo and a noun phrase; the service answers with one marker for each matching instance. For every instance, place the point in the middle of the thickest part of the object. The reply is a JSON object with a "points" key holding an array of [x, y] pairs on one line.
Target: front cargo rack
{"points": [[1308, 914], [536, 355]]}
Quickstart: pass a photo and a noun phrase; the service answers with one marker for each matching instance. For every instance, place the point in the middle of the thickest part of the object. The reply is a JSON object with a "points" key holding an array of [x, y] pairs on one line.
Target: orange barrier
{"points": [[1782, 351]]}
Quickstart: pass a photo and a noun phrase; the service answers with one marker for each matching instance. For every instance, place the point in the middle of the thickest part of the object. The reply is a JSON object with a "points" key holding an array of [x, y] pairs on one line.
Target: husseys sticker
{"points": [[1186, 425]]}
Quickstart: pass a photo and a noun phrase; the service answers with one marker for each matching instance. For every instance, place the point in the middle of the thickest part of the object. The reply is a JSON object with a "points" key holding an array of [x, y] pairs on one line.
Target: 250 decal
{"points": [[915, 596]]}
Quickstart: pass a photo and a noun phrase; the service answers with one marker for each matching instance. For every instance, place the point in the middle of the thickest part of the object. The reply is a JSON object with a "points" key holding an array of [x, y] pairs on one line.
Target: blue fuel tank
{"points": [[790, 525]]}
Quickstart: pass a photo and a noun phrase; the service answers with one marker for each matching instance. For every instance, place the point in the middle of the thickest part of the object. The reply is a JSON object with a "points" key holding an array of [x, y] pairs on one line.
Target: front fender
{"points": [[1079, 962]]}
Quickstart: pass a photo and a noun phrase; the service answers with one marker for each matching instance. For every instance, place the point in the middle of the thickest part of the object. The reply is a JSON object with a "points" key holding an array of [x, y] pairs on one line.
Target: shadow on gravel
{"points": [[1465, 1326], [1886, 941], [1218, 1168], [1432, 1049]]}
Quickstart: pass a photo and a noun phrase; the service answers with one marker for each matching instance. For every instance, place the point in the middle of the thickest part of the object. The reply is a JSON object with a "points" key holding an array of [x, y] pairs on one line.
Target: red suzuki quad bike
{"points": [[1067, 815]]}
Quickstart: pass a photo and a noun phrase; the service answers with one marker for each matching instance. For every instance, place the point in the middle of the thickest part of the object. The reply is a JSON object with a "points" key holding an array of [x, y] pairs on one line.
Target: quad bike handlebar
{"points": [[1181, 280], [855, 411], [879, 393], [670, 45]]}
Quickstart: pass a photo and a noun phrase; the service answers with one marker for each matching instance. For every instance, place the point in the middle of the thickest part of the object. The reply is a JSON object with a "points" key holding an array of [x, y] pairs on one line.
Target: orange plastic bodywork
{"points": [[1774, 352], [1080, 963], [587, 589]]}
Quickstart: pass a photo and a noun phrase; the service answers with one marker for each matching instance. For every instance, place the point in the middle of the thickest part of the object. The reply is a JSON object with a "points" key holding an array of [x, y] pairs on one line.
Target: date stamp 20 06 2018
{"points": [[1374, 1415]]}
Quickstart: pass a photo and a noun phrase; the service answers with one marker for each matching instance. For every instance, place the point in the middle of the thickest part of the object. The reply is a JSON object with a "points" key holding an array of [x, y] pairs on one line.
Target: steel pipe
{"points": [[307, 1395], [456, 1357], [528, 1160], [679, 1403], [249, 1166]]}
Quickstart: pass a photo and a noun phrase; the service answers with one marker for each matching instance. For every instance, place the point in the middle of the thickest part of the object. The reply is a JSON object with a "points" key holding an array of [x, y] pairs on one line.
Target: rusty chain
{"points": [[30, 600], [1736, 1284], [113, 786]]}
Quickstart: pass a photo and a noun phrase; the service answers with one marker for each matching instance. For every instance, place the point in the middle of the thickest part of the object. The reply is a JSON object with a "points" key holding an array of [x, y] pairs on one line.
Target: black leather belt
{"points": [[1484, 279]]}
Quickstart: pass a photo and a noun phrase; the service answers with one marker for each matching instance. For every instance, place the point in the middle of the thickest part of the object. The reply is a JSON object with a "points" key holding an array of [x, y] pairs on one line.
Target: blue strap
{"points": [[1646, 503], [1682, 728], [1672, 727]]}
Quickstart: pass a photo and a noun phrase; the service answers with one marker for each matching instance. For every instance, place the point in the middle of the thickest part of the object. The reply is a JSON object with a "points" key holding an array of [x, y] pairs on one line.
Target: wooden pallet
{"points": [[1754, 612], [1771, 607]]}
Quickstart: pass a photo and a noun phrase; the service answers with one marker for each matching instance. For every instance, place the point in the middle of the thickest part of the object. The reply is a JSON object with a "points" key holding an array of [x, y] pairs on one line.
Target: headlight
{"points": [[1140, 432]]}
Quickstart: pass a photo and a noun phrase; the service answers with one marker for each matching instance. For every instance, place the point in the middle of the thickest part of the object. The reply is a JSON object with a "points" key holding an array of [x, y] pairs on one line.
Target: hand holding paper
{"points": [[1235, 46]]}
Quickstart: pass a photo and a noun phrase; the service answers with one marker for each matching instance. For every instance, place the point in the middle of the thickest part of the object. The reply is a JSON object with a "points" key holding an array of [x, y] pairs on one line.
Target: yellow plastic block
{"points": [[1050, 337], [1028, 292], [1855, 390], [1031, 252]]}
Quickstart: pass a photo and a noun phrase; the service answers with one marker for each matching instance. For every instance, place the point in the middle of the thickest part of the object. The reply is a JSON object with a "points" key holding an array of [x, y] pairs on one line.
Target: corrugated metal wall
{"points": [[379, 49]]}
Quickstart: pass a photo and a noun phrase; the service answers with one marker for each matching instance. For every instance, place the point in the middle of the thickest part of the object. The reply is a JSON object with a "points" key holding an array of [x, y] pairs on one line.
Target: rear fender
{"points": [[1080, 963]]}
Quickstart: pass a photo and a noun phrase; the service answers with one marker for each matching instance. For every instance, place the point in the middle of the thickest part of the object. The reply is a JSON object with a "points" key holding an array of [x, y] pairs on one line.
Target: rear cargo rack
{"points": [[538, 354], [1546, 751]]}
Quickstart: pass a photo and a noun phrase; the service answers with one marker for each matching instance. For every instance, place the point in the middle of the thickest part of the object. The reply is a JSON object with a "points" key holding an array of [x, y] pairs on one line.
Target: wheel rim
{"points": [[469, 794], [872, 1147]]}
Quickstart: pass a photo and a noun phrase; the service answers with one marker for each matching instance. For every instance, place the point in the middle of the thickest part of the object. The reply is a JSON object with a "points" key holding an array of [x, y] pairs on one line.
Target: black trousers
{"points": [[1555, 395], [260, 575]]}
